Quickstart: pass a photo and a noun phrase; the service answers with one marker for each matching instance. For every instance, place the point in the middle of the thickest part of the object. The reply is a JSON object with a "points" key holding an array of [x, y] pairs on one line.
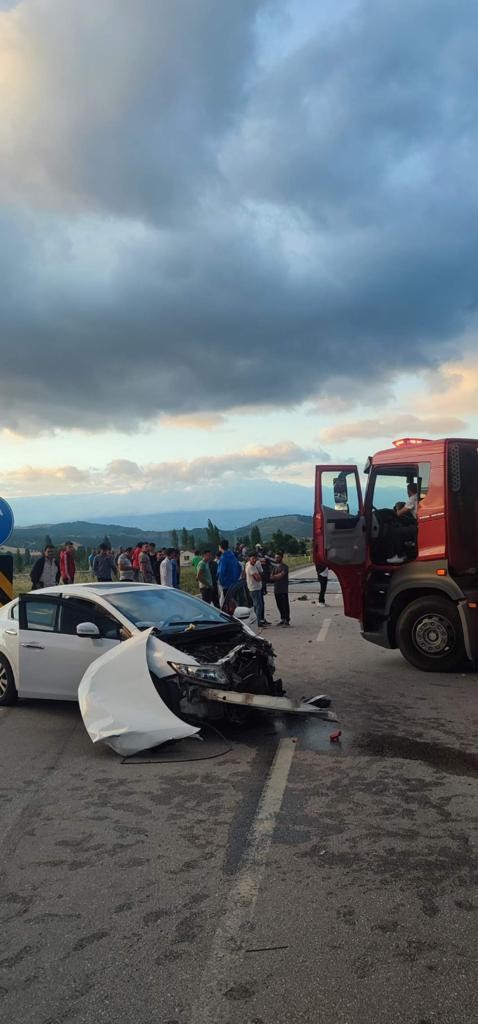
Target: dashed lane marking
{"points": [[228, 944], [324, 629]]}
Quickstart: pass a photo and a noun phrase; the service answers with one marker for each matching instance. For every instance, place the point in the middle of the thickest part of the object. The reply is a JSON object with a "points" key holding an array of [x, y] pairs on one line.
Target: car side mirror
{"points": [[242, 612], [88, 629]]}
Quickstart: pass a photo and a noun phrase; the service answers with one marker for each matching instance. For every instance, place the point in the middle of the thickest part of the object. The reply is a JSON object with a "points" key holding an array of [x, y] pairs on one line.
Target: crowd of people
{"points": [[216, 572]]}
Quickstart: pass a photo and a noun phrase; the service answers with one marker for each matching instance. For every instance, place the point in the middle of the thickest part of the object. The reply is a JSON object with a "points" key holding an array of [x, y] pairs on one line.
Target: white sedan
{"points": [[140, 659], [49, 637]]}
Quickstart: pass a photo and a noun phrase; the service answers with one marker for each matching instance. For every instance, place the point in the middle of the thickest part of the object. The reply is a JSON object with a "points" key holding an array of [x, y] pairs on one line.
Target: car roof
{"points": [[102, 589]]}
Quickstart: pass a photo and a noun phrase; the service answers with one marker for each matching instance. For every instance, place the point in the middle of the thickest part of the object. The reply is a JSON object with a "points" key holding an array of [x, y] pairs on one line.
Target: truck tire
{"points": [[430, 635]]}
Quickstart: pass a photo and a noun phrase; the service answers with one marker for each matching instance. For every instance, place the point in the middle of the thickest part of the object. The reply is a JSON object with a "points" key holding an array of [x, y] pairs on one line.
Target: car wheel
{"points": [[430, 635], [8, 690]]}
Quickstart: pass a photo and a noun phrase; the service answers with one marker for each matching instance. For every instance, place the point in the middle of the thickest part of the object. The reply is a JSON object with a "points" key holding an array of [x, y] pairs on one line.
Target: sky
{"points": [[236, 240]]}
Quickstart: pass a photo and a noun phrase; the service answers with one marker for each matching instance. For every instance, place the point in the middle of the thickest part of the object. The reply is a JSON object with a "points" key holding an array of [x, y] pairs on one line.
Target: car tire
{"points": [[8, 690], [430, 635]]}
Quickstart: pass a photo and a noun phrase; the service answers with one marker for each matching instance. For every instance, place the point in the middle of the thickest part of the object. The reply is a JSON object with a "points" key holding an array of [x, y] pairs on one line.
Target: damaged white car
{"points": [[141, 659]]}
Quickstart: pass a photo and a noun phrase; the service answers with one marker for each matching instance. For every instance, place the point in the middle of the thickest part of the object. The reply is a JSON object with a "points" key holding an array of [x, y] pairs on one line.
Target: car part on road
{"points": [[264, 703], [120, 705]]}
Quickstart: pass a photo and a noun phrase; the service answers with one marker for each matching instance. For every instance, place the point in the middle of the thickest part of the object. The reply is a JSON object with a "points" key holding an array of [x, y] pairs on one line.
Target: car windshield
{"points": [[165, 609]]}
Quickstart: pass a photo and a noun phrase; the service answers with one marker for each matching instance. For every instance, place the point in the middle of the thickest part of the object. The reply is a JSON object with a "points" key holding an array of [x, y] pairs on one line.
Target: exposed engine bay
{"points": [[151, 688], [229, 663]]}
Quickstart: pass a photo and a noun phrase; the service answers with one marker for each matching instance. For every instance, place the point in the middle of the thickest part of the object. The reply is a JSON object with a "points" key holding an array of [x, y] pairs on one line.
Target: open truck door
{"points": [[339, 531]]}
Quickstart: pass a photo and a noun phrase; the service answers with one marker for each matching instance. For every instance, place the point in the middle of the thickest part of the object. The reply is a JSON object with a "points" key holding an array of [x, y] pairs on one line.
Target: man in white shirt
{"points": [[166, 570], [399, 530], [412, 504], [254, 586]]}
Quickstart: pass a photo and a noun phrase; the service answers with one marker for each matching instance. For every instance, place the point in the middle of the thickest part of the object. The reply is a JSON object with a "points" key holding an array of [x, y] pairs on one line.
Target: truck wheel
{"points": [[430, 635], [8, 690]]}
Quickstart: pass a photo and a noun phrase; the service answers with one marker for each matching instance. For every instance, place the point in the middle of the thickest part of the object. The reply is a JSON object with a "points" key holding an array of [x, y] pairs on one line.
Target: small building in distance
{"points": [[186, 558]]}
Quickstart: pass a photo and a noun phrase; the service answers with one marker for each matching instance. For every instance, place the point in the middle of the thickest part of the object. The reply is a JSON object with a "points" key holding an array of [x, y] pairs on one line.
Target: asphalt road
{"points": [[264, 876]]}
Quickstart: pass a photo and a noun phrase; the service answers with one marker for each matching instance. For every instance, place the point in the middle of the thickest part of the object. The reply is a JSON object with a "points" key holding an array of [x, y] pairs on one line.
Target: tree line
{"points": [[185, 540]]}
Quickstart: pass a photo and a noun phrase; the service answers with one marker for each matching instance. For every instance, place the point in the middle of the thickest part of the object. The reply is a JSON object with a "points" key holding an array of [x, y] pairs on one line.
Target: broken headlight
{"points": [[201, 673]]}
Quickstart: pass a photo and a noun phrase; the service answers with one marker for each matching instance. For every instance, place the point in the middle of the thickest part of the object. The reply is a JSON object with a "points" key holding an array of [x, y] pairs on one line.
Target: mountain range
{"points": [[89, 534]]}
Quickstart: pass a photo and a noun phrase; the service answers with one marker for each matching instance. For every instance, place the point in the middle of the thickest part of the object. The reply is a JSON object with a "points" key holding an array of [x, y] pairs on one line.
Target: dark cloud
{"points": [[192, 228]]}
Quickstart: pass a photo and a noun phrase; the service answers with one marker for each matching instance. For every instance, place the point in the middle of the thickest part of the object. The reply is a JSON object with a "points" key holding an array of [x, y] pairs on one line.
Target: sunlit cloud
{"points": [[198, 421], [399, 425], [281, 461]]}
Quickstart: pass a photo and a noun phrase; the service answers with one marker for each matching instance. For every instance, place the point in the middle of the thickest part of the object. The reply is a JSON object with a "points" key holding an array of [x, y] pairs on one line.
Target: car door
{"points": [[339, 531], [53, 659]]}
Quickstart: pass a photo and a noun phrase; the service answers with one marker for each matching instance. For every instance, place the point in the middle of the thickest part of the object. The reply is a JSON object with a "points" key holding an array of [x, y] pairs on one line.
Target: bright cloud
{"points": [[281, 461], [398, 425]]}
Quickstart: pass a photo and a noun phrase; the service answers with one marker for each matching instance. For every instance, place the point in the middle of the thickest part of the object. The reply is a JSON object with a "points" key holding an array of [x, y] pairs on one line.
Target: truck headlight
{"points": [[202, 673]]}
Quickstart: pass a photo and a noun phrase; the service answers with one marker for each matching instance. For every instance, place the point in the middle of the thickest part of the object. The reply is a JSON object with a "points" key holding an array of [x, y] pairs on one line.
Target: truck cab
{"points": [[410, 579]]}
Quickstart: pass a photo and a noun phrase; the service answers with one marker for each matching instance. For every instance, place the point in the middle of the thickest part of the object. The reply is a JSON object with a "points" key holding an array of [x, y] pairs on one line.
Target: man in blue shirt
{"points": [[229, 569]]}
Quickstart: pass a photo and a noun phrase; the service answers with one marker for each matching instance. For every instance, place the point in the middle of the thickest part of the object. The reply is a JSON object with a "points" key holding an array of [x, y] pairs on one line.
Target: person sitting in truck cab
{"points": [[403, 531], [411, 505]]}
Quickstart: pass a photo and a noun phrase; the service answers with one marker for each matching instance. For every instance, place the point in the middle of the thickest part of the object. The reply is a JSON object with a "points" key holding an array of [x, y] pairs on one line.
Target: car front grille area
{"points": [[250, 669]]}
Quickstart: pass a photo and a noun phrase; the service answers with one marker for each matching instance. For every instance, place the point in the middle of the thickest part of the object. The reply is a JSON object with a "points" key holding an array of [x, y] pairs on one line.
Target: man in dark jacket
{"points": [[45, 572], [104, 567], [280, 579]]}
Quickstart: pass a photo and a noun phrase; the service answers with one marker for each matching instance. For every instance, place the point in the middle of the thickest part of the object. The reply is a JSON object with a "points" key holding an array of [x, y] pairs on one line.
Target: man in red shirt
{"points": [[67, 562], [135, 561]]}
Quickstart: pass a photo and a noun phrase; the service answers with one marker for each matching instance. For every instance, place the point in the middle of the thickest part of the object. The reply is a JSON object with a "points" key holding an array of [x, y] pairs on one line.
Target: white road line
{"points": [[324, 629], [227, 949]]}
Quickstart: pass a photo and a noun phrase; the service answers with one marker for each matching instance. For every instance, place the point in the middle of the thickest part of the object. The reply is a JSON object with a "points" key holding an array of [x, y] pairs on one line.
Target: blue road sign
{"points": [[7, 521]]}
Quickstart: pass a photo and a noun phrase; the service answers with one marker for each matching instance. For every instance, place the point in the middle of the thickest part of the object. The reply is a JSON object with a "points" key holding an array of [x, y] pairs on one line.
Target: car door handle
{"points": [[11, 632], [34, 647]]}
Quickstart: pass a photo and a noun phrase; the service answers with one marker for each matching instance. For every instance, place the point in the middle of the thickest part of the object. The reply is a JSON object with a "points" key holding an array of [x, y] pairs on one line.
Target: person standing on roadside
{"points": [[125, 566], [196, 560], [204, 578], [229, 569], [160, 555], [104, 567], [323, 578], [67, 562], [45, 572], [254, 586], [175, 559], [145, 566], [280, 579], [166, 569], [135, 560], [213, 565]]}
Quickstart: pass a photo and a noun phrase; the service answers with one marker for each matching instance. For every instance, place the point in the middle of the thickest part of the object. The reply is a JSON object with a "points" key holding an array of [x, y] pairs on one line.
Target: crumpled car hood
{"points": [[119, 703]]}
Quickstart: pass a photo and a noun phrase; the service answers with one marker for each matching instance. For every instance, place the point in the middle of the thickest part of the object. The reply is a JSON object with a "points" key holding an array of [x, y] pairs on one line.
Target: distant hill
{"points": [[90, 534]]}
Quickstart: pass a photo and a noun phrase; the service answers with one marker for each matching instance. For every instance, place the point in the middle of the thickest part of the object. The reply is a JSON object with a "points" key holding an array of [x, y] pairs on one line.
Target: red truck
{"points": [[411, 580]]}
